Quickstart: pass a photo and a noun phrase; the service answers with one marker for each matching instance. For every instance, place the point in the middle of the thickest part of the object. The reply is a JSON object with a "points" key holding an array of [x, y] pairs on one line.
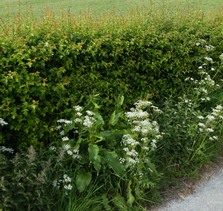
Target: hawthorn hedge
{"points": [[47, 67]]}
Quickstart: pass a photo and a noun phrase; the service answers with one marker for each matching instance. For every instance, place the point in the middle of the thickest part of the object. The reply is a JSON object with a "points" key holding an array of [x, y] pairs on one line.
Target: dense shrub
{"points": [[49, 65]]}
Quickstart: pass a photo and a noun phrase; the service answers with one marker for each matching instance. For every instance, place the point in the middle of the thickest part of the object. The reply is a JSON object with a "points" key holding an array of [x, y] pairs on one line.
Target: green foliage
{"points": [[50, 65], [115, 153], [193, 124]]}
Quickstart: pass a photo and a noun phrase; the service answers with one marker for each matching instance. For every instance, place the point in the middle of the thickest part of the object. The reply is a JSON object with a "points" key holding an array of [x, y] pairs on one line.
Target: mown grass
{"points": [[99, 7]]}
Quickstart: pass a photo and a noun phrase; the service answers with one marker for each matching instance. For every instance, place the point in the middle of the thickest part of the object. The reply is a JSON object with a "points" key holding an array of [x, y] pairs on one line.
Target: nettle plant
{"points": [[118, 149]]}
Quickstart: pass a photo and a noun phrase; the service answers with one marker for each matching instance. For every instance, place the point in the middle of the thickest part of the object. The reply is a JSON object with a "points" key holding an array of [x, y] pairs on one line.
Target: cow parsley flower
{"points": [[202, 125], [66, 178], [6, 149], [65, 138], [90, 113], [3, 122], [78, 108], [88, 121], [210, 130], [65, 121], [68, 187], [128, 140], [209, 59], [66, 147]]}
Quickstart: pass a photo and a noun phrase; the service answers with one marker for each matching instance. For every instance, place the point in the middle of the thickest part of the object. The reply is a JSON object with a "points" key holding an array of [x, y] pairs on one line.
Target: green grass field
{"points": [[98, 7]]}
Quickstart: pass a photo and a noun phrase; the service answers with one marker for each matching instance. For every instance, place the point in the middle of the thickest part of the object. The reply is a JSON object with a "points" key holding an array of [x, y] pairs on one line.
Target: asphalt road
{"points": [[207, 196]]}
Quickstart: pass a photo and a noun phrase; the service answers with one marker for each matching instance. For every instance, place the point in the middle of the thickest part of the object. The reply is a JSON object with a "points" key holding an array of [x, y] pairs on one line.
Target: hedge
{"points": [[50, 65]]}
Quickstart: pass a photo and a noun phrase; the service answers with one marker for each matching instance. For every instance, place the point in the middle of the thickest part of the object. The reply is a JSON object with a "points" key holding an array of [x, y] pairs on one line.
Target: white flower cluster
{"points": [[73, 152], [87, 121], [139, 119], [5, 149], [207, 47], [65, 121], [203, 86], [66, 182], [145, 133], [3, 122], [210, 121], [129, 145]]}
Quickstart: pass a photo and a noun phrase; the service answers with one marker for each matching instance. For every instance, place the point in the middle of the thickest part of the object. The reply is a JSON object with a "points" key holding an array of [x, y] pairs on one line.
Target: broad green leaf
{"points": [[113, 162], [115, 118], [99, 118], [130, 197], [83, 179], [112, 118], [94, 156], [120, 100]]}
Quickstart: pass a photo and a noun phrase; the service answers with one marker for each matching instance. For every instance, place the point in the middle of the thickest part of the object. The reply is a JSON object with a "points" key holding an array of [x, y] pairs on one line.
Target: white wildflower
{"points": [[68, 187], [209, 47], [201, 130], [65, 138], [6, 149], [90, 113], [219, 107], [76, 156], [69, 152], [122, 160], [77, 120], [209, 59], [131, 162], [210, 118], [137, 114], [79, 114], [132, 153], [76, 151], [3, 122], [139, 104], [144, 131], [65, 121], [126, 149], [66, 178], [55, 184], [58, 127], [66, 147], [53, 148], [88, 121], [210, 130], [145, 148], [201, 125], [153, 143], [213, 138], [128, 140], [156, 109], [78, 108], [200, 117], [204, 90], [136, 129], [144, 140], [158, 136]]}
